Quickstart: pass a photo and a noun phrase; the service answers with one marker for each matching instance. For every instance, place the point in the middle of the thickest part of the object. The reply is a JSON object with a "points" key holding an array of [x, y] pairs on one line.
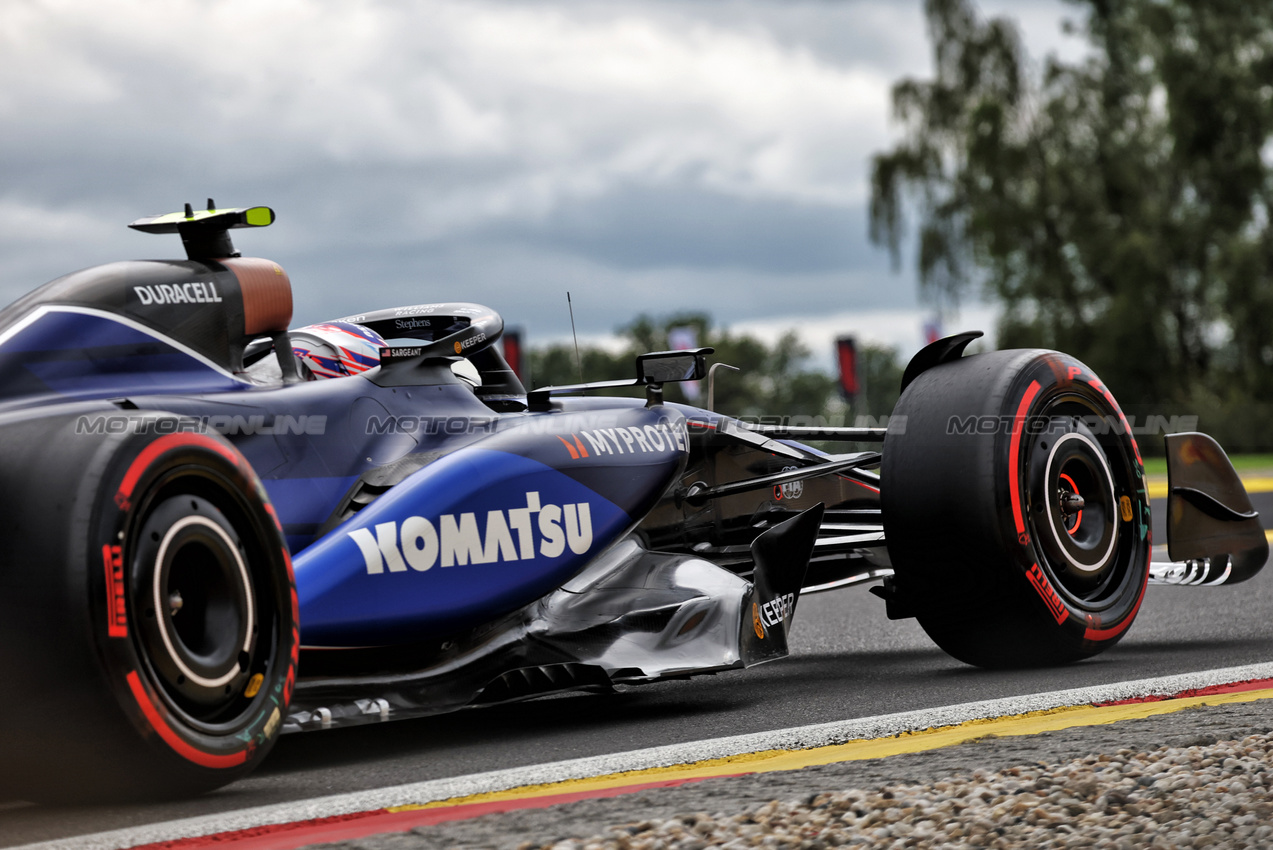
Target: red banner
{"points": [[846, 354]]}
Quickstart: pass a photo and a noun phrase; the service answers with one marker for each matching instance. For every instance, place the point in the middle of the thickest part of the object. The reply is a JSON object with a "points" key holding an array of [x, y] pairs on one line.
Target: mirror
{"points": [[661, 367]]}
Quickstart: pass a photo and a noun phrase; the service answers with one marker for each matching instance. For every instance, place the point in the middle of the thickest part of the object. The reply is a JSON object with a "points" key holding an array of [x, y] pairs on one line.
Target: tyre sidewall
{"points": [[157, 457], [978, 585], [1050, 378]]}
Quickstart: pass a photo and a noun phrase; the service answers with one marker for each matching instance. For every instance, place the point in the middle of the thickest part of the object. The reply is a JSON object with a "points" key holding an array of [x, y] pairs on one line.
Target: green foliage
{"points": [[1118, 206], [772, 380], [881, 377]]}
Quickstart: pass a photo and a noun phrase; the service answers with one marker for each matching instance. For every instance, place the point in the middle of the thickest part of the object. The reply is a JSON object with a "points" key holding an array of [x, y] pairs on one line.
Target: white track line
{"points": [[802, 737]]}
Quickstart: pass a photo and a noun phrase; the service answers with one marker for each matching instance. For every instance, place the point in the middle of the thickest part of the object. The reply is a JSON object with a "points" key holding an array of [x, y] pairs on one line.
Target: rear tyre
{"points": [[151, 591], [1015, 508]]}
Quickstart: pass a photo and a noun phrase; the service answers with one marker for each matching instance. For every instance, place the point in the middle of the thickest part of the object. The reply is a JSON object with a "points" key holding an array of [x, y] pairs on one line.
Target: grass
{"points": [[1242, 463]]}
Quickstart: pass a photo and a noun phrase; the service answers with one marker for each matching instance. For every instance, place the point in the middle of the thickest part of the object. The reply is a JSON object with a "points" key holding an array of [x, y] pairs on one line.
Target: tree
{"points": [[1117, 206], [881, 378], [772, 380]]}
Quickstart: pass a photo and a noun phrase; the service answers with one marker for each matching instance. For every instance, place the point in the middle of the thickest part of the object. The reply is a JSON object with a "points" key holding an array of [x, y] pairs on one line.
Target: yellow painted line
{"points": [[768, 761], [1255, 484], [1258, 484]]}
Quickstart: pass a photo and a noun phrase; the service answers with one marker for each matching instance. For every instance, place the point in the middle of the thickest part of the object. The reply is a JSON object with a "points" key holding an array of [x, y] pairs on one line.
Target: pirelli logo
{"points": [[1049, 594], [116, 609]]}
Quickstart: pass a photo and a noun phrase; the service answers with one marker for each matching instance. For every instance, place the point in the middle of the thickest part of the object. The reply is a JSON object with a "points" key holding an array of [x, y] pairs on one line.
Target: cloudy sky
{"points": [[644, 155]]}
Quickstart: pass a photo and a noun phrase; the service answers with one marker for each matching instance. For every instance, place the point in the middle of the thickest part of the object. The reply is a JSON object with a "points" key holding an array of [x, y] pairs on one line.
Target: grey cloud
{"points": [[646, 228], [647, 155]]}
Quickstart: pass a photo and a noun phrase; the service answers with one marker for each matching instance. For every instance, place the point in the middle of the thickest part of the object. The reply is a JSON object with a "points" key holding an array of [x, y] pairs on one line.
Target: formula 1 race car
{"points": [[218, 530]]}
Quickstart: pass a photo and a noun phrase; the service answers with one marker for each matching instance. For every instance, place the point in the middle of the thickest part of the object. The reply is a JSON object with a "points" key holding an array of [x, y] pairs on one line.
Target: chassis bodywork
{"points": [[454, 539]]}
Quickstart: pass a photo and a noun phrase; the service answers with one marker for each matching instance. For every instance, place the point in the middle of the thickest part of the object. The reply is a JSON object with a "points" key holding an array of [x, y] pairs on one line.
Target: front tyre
{"points": [[160, 620], [1015, 508]]}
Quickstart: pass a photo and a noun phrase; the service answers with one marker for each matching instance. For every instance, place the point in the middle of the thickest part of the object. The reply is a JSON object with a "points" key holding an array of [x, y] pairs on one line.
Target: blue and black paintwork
{"points": [[434, 526], [224, 547]]}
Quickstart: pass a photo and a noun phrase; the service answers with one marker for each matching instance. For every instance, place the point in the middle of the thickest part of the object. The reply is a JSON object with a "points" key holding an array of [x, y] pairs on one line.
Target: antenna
{"points": [[578, 359], [711, 383]]}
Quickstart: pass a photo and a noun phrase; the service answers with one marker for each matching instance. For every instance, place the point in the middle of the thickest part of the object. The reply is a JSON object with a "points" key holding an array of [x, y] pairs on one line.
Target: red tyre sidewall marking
{"points": [[269, 509], [1038, 580], [1044, 587], [1105, 634], [1056, 606], [289, 683], [172, 739], [150, 710], [1096, 634], [1096, 384], [116, 604], [1014, 461], [148, 455]]}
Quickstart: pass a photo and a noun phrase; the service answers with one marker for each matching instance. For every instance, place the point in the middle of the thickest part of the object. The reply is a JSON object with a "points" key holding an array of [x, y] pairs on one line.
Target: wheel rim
{"points": [[1074, 509], [201, 619], [203, 636], [1079, 505]]}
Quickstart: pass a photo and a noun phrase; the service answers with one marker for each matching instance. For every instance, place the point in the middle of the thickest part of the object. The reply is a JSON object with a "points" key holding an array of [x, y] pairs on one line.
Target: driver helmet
{"points": [[337, 349]]}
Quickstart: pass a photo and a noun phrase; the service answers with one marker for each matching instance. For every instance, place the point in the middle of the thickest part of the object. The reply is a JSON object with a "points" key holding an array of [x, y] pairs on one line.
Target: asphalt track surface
{"points": [[848, 660]]}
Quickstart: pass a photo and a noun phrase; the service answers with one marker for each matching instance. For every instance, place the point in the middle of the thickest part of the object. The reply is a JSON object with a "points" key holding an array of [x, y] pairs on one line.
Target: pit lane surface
{"points": [[848, 661]]}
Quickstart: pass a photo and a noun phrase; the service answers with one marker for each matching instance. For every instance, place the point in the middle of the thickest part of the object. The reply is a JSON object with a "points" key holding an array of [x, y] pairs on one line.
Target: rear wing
{"points": [[205, 233]]}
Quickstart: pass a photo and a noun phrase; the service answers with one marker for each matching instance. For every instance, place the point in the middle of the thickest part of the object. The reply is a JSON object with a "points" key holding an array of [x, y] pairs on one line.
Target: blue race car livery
{"points": [[222, 529]]}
